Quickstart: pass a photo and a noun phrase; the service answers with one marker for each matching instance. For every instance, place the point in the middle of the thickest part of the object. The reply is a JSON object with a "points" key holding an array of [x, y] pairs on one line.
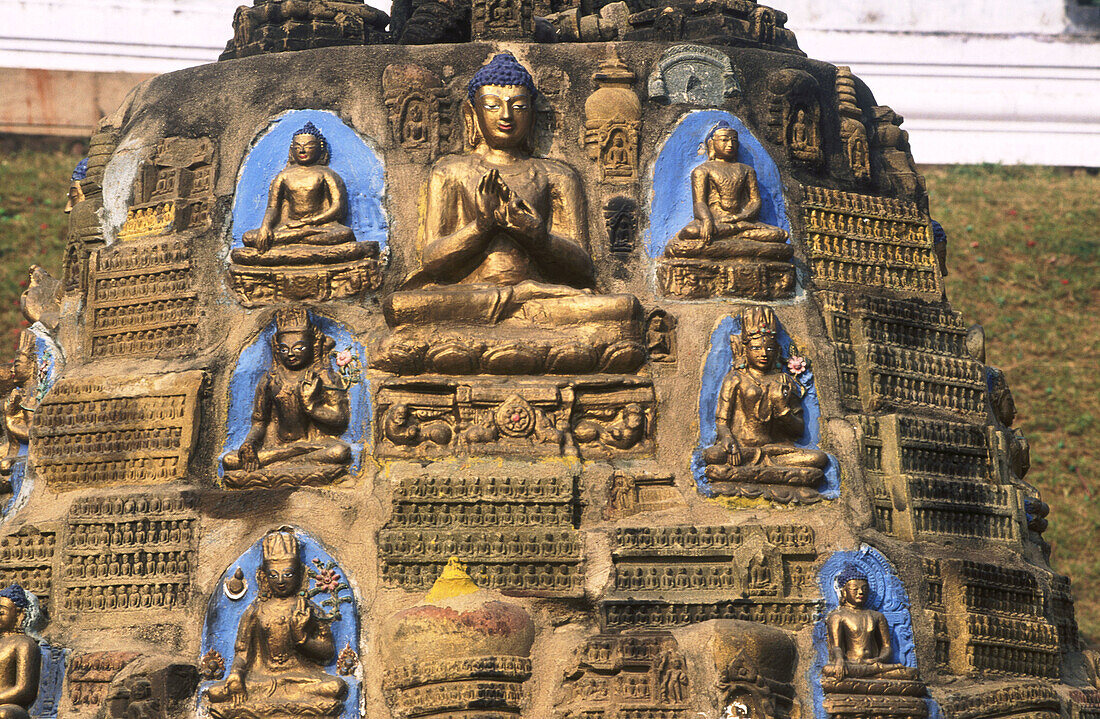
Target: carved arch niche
{"points": [[794, 115]]}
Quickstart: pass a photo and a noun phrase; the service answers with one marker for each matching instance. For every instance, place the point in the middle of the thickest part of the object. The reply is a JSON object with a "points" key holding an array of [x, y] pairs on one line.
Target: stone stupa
{"points": [[516, 358]]}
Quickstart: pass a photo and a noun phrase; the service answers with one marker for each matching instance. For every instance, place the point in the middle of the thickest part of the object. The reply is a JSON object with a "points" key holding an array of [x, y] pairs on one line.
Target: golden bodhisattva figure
{"points": [[859, 673], [759, 417], [283, 643], [20, 656], [306, 207], [21, 400], [726, 201], [505, 283], [298, 414]]}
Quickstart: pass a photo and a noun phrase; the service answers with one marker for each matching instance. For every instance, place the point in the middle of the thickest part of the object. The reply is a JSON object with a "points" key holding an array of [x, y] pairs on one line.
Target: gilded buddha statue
{"points": [[307, 205], [726, 202], [299, 411], [20, 656], [283, 643], [505, 271], [759, 417], [858, 637]]}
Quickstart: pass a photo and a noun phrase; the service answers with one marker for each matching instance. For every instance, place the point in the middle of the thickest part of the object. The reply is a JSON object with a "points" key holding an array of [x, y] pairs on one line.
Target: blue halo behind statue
{"points": [[350, 157]]}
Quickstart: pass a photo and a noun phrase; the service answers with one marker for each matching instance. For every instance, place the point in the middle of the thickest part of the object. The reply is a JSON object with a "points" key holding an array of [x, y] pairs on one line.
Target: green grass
{"points": [[1024, 260]]}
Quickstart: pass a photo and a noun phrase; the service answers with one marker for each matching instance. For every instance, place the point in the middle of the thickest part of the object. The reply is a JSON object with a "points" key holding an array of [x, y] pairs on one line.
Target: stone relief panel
{"points": [[717, 217], [102, 431], [298, 405], [27, 558], [857, 241], [285, 645], [672, 576], [756, 666], [420, 110], [794, 115], [636, 674], [693, 75], [612, 123], [173, 191], [759, 417], [129, 553], [310, 227], [515, 533]]}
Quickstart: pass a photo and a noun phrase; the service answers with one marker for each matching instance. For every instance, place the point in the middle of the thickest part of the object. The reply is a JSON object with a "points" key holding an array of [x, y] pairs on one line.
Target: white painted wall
{"points": [[1014, 81]]}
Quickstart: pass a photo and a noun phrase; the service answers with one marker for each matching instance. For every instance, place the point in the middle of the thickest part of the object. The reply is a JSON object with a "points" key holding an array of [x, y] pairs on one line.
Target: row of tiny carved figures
{"points": [[170, 253], [136, 287], [117, 410], [759, 578], [845, 249], [877, 275], [41, 549], [125, 596], [690, 537], [482, 514], [492, 576], [913, 235], [836, 199], [476, 545], [497, 487], [139, 564], [137, 532], [114, 441], [178, 309], [920, 391]]}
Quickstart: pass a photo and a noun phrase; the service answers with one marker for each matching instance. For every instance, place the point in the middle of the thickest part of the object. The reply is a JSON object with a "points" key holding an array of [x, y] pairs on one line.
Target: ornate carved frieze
{"points": [[514, 531], [794, 115], [693, 75], [27, 559], [718, 22], [143, 299], [99, 431], [629, 493], [1018, 701], [90, 674], [635, 675], [129, 552], [903, 354], [862, 241], [599, 416], [990, 620], [665, 576]]}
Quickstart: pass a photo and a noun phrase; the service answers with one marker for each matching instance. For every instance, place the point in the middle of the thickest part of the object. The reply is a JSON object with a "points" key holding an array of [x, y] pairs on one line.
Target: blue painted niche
{"points": [[223, 615], [670, 203], [887, 595], [351, 158], [718, 363], [255, 361]]}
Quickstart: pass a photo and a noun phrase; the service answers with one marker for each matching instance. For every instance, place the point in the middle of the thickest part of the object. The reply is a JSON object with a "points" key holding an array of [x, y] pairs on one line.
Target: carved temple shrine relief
{"points": [[312, 228], [794, 115], [868, 668], [853, 133], [693, 75], [759, 423], [731, 238], [297, 404], [628, 674], [620, 216], [612, 123], [282, 647], [419, 109], [631, 492], [502, 19], [174, 191]]}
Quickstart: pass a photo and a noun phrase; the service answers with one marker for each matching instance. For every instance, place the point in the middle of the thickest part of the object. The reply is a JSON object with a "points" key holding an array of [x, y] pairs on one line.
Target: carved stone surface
{"points": [[142, 299], [755, 670], [794, 109], [102, 431], [860, 240], [629, 493], [612, 122], [90, 675], [128, 553], [271, 26], [174, 191], [619, 213], [502, 19], [693, 75], [27, 559], [420, 109], [637, 674]]}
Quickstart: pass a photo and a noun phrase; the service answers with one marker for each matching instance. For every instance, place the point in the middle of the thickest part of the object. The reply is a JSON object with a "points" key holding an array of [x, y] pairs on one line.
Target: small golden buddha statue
{"points": [[726, 202], [759, 415], [505, 243], [298, 414], [306, 206], [20, 656], [859, 638], [283, 643]]}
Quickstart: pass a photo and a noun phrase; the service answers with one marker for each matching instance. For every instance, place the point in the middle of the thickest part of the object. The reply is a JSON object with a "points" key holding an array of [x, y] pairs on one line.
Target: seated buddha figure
{"points": [[858, 637], [307, 204], [283, 643], [20, 656], [299, 411], [504, 255], [726, 202], [759, 415]]}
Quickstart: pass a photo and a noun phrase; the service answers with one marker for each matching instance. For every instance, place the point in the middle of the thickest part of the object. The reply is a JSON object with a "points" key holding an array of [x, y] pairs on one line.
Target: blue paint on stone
{"points": [[887, 595], [351, 158], [223, 615], [255, 361], [50, 681], [670, 203], [717, 365]]}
